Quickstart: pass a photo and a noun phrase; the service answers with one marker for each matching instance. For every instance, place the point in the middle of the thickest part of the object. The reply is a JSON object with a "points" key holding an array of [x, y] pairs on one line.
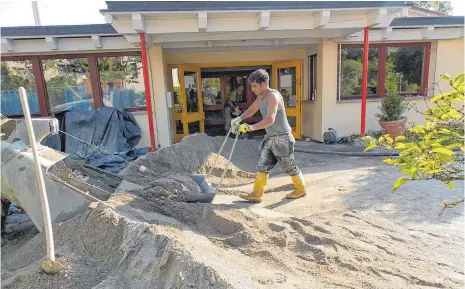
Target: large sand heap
{"points": [[168, 171], [128, 242], [148, 239]]}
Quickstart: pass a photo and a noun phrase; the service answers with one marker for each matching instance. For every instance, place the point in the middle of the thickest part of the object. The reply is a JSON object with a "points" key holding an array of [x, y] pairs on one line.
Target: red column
{"points": [[148, 95], [364, 81]]}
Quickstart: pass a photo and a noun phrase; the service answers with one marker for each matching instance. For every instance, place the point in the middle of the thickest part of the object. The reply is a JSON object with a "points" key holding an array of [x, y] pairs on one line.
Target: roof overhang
{"points": [[218, 25]]}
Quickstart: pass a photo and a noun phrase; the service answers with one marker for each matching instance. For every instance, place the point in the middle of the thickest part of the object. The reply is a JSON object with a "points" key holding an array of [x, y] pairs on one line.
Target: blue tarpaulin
{"points": [[113, 133]]}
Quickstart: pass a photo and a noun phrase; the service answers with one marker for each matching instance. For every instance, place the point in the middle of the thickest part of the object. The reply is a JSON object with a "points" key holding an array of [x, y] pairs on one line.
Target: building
{"points": [[183, 59]]}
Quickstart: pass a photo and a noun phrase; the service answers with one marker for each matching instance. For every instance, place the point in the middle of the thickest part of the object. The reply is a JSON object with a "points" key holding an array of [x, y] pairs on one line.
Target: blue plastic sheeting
{"points": [[11, 104], [106, 128], [115, 163], [113, 134]]}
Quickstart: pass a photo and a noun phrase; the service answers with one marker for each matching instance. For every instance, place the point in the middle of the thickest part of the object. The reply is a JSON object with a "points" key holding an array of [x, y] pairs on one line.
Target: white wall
{"points": [[142, 121]]}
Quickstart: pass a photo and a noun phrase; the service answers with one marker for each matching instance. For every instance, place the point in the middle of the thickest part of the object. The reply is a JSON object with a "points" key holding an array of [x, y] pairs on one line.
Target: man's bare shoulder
{"points": [[274, 94]]}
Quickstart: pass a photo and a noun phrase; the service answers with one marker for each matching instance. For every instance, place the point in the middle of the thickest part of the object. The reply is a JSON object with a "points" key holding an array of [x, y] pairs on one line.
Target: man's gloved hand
{"points": [[236, 121], [244, 128]]}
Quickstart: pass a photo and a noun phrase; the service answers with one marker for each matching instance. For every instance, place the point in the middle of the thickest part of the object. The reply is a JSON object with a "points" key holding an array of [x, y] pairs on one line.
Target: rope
{"points": [[101, 150]]}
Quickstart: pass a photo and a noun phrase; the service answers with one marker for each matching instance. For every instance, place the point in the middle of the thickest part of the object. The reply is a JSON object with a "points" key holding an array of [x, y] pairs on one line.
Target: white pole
{"points": [[39, 176]]}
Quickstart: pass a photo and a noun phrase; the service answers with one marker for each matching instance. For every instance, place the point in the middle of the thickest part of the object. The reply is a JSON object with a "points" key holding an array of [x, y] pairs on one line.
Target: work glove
{"points": [[236, 121], [244, 128]]}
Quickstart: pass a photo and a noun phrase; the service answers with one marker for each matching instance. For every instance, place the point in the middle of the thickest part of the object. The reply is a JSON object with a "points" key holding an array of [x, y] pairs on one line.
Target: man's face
{"points": [[258, 89]]}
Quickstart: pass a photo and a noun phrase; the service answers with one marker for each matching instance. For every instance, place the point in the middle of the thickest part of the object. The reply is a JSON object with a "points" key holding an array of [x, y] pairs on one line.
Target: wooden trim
{"points": [[39, 80], [381, 83], [426, 61], [234, 64], [382, 57], [95, 82], [87, 55], [16, 58], [133, 109]]}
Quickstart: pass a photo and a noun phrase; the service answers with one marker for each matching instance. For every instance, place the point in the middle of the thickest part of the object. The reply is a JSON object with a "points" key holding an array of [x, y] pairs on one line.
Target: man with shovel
{"points": [[278, 144]]}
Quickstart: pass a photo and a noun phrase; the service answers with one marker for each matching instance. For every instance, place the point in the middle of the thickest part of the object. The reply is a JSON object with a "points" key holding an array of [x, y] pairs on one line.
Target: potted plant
{"points": [[390, 116]]}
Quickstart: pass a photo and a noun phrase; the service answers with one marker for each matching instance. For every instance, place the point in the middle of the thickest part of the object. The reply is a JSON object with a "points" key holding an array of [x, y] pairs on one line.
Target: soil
{"points": [[348, 232]]}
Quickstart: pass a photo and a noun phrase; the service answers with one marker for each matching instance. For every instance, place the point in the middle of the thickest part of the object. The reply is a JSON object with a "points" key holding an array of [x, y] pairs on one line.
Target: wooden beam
{"points": [[263, 20], [138, 22], [202, 21], [404, 12], [380, 16], [321, 19], [97, 41], [52, 42], [387, 32], [427, 32], [109, 19], [8, 43]]}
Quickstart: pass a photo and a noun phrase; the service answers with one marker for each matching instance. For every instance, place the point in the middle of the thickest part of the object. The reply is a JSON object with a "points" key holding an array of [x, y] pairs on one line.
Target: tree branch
{"points": [[450, 205]]}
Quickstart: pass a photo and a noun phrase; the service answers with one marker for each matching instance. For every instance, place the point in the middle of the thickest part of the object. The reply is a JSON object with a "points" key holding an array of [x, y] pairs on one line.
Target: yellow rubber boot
{"points": [[300, 189], [261, 180]]}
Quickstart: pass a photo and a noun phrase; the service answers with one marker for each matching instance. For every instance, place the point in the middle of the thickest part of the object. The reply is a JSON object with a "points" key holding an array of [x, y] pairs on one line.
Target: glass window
{"points": [[351, 72], [287, 85], [190, 82], [122, 82], [16, 74], [404, 69], [176, 90], [68, 84], [313, 76], [211, 90]]}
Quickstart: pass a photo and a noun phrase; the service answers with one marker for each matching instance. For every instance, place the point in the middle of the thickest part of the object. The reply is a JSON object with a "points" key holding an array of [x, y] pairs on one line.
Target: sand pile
{"points": [[332, 250], [169, 187], [103, 249], [196, 154]]}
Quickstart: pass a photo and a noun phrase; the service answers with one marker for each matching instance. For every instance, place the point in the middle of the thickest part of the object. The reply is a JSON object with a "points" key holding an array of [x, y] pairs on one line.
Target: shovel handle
{"points": [[219, 153], [229, 162]]}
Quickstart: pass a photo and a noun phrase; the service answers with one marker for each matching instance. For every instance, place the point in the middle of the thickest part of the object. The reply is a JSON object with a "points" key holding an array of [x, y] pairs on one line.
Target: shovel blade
{"points": [[208, 193]]}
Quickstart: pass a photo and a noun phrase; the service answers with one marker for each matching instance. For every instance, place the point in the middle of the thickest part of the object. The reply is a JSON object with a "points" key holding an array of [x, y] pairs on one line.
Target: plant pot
{"points": [[394, 128]]}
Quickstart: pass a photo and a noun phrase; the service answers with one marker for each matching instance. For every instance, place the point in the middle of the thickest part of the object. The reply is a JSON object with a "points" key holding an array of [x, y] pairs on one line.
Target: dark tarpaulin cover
{"points": [[113, 133]]}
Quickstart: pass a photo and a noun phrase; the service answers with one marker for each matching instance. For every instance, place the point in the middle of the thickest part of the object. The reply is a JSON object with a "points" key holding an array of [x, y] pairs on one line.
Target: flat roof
{"points": [[424, 21], [58, 30], [107, 29], [145, 6]]}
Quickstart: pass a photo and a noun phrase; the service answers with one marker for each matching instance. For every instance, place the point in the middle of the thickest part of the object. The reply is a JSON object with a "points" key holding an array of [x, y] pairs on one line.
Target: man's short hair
{"points": [[259, 76]]}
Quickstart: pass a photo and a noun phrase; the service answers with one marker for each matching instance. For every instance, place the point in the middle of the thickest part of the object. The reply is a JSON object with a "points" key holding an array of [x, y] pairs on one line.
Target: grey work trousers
{"points": [[278, 149]]}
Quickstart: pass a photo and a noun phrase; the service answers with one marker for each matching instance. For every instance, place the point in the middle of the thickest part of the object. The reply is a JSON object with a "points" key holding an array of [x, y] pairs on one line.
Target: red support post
{"points": [[148, 95], [364, 81]]}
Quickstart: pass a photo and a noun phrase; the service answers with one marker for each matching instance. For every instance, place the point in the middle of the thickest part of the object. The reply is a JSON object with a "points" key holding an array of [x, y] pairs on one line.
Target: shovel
{"points": [[208, 192]]}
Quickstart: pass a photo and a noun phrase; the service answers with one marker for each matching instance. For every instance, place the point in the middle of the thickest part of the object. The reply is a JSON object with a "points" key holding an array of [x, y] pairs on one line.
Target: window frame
{"points": [[312, 76], [94, 75], [382, 57]]}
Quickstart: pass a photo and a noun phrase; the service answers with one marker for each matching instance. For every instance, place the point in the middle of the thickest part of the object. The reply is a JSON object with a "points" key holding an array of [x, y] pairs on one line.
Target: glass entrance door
{"points": [[286, 78], [187, 111]]}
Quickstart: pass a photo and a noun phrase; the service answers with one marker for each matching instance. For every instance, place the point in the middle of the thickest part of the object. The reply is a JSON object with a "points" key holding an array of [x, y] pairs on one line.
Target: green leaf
{"points": [[399, 182], [436, 98], [388, 161], [443, 151], [445, 77], [400, 138], [372, 145], [454, 113], [450, 186]]}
